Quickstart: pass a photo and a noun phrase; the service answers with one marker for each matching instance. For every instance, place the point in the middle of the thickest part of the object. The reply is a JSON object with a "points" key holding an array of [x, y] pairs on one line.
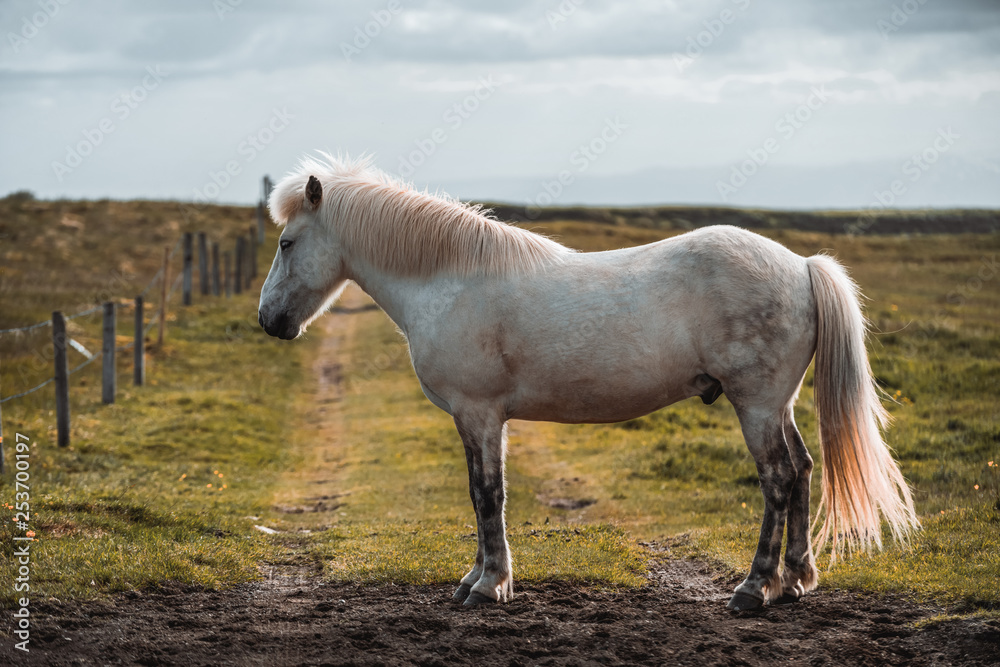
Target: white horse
{"points": [[506, 324]]}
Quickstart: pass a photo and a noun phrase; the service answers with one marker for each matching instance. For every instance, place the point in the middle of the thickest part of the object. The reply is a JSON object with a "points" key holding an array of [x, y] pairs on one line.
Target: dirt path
{"points": [[292, 618], [315, 486]]}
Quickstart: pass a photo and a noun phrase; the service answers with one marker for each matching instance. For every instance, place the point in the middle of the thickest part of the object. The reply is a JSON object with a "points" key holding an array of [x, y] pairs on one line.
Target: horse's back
{"points": [[718, 278], [612, 335], [647, 322], [729, 303]]}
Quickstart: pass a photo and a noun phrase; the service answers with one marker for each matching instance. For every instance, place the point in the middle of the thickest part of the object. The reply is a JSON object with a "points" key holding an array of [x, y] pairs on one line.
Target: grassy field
{"points": [[157, 487], [130, 500]]}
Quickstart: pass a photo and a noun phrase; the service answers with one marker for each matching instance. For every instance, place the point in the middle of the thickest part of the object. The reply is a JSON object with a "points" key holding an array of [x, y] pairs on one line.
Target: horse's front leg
{"points": [[485, 441], [474, 461]]}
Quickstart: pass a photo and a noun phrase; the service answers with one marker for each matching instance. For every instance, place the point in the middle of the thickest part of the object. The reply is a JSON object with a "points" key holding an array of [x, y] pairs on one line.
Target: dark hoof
{"points": [[744, 602], [478, 599], [462, 592], [787, 598]]}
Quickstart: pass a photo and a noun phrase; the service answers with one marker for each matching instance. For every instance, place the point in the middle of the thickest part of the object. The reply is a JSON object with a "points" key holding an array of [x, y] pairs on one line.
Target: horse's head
{"points": [[308, 270]]}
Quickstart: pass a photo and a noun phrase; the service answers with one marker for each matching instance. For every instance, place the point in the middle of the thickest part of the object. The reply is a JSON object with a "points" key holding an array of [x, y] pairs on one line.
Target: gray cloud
{"points": [[266, 36], [564, 67]]}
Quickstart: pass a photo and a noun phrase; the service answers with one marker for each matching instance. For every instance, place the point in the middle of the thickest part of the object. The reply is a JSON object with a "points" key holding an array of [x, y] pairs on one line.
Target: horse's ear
{"points": [[314, 191]]}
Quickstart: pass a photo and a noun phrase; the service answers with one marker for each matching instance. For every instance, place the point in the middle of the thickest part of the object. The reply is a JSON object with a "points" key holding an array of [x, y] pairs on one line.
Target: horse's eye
{"points": [[285, 244]]}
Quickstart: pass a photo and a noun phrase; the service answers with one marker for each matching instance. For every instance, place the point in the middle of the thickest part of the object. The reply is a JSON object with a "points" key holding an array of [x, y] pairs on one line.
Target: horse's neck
{"points": [[402, 298]]}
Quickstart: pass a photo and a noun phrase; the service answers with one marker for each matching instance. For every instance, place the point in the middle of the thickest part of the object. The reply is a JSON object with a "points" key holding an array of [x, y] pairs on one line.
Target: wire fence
{"points": [[90, 311], [238, 276], [94, 357]]}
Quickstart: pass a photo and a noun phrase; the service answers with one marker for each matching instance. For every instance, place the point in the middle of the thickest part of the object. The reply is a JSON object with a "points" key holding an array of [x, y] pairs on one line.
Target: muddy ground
{"points": [[292, 618]]}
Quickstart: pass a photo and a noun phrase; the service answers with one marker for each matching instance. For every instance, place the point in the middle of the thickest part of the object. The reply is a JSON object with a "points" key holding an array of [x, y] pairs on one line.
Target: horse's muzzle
{"points": [[279, 327]]}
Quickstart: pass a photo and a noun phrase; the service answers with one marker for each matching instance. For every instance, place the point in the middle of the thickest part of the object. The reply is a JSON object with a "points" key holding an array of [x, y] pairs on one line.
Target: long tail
{"points": [[861, 481]]}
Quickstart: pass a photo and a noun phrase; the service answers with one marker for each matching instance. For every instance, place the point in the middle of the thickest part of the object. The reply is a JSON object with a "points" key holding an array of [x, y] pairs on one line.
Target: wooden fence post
{"points": [[253, 254], [139, 366], [3, 465], [203, 262], [260, 223], [163, 296], [239, 265], [228, 273], [62, 378], [108, 377], [188, 257], [247, 257], [215, 269]]}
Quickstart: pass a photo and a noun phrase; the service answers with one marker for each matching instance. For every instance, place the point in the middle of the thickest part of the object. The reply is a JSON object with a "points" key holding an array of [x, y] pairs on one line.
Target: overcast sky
{"points": [[784, 103]]}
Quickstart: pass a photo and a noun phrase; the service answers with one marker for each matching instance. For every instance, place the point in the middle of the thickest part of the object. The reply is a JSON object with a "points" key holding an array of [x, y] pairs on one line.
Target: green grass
{"points": [[128, 506], [159, 486], [955, 559], [422, 551]]}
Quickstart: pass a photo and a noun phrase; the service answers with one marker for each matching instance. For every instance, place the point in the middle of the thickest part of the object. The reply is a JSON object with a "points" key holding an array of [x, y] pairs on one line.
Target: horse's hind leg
{"points": [[485, 444], [799, 575], [765, 439]]}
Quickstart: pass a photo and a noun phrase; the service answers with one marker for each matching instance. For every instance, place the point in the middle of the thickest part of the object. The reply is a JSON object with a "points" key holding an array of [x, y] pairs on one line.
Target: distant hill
{"points": [[920, 221]]}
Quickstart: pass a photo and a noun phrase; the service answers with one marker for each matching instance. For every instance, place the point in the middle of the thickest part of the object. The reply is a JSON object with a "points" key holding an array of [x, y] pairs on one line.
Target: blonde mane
{"points": [[407, 232]]}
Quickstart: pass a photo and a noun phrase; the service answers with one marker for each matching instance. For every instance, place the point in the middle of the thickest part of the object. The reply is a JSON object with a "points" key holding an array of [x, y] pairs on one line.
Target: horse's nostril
{"points": [[260, 319]]}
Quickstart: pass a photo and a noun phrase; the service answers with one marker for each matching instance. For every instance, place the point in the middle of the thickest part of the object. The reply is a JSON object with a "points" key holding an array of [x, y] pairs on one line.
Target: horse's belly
{"points": [[595, 400]]}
